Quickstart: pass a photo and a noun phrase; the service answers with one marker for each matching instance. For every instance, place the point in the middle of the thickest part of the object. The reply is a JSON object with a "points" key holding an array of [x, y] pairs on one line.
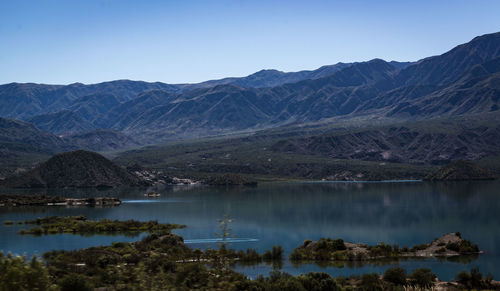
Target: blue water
{"points": [[403, 213]]}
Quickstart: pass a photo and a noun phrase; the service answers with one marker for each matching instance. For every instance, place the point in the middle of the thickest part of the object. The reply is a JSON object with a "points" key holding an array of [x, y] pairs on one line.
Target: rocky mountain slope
{"points": [[100, 140], [353, 111], [399, 144], [463, 81]]}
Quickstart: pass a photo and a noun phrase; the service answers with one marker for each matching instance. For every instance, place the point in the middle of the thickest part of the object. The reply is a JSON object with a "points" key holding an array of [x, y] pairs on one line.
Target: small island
{"points": [[327, 249], [82, 225], [152, 194], [45, 200]]}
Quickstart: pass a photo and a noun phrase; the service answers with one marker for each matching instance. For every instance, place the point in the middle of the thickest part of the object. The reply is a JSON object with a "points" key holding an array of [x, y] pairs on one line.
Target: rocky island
{"points": [[45, 200], [327, 249]]}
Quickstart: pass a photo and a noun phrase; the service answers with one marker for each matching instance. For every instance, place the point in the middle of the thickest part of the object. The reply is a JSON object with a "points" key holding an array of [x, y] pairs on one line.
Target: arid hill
{"points": [[74, 169]]}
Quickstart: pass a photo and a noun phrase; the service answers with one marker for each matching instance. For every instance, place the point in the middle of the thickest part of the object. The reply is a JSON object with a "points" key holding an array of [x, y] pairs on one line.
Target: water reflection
{"points": [[288, 213]]}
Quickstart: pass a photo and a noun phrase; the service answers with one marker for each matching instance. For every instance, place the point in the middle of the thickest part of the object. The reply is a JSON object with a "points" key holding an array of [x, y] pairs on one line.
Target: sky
{"points": [[91, 41]]}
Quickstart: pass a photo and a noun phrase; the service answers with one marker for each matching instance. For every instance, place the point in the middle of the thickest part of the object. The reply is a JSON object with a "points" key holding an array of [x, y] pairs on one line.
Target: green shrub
{"points": [[395, 275], [16, 273], [371, 282], [318, 282], [463, 247], [275, 254], [381, 250], [75, 282], [422, 277], [472, 280], [419, 247]]}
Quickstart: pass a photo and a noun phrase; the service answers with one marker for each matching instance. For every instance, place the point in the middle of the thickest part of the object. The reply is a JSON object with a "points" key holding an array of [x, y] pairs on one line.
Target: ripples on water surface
{"points": [[288, 213]]}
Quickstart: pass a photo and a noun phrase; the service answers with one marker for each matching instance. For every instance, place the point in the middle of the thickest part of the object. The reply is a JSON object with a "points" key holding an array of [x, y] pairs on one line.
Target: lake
{"points": [[403, 213]]}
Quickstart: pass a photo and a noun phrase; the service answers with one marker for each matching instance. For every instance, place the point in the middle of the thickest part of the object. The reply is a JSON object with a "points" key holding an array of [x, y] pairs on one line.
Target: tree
{"points": [[225, 231]]}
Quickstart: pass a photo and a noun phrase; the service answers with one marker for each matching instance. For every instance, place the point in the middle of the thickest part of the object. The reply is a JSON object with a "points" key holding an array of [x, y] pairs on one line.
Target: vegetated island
{"points": [[45, 200], [327, 249], [161, 261], [81, 225], [460, 171]]}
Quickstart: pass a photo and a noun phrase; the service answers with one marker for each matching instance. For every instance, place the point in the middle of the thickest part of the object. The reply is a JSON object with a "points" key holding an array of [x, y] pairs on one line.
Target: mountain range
{"points": [[464, 81]]}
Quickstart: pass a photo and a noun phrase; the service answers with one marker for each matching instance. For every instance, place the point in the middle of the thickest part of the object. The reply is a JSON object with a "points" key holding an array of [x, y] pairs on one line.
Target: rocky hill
{"points": [[74, 169], [460, 171]]}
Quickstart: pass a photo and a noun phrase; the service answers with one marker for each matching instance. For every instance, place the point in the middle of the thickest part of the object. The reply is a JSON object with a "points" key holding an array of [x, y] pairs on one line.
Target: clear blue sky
{"points": [[89, 41]]}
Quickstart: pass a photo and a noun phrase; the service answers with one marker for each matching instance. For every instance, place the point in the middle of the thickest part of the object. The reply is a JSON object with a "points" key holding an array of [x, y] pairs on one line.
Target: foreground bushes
{"points": [[158, 272], [16, 273]]}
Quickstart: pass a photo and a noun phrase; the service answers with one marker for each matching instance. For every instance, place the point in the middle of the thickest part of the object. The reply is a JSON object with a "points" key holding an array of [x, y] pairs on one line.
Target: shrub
{"points": [[330, 245], [318, 282], [296, 255], [395, 275], [306, 242], [422, 277], [275, 254], [16, 273], [419, 247], [370, 282], [380, 250], [474, 279], [75, 283], [464, 246]]}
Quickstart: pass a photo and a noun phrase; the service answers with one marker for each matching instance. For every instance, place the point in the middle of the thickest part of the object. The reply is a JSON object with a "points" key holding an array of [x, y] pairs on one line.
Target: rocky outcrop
{"points": [[460, 171]]}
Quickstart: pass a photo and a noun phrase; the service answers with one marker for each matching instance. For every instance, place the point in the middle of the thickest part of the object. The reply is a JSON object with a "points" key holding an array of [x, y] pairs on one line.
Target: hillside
{"points": [[22, 144], [64, 121], [74, 169], [462, 81], [343, 119], [101, 140], [399, 144], [460, 171]]}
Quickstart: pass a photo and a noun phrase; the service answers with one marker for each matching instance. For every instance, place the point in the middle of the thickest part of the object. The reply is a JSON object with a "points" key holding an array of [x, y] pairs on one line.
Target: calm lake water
{"points": [[403, 213]]}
